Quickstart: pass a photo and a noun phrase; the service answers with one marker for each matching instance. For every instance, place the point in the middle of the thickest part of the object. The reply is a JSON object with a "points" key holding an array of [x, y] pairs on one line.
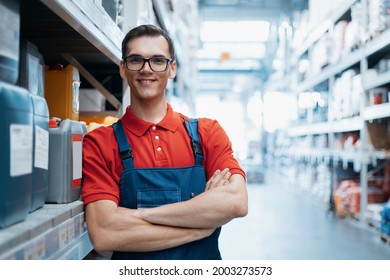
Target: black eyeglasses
{"points": [[157, 64]]}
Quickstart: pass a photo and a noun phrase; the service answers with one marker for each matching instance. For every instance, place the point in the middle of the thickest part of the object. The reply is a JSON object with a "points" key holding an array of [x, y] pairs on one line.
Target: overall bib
{"points": [[153, 187]]}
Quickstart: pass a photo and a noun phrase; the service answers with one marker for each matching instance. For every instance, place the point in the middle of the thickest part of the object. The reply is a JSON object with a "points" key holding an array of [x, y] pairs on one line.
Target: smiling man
{"points": [[156, 184]]}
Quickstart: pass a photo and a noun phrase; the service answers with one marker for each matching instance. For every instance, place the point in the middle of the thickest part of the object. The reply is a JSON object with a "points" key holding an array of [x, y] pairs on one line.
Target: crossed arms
{"points": [[113, 228]]}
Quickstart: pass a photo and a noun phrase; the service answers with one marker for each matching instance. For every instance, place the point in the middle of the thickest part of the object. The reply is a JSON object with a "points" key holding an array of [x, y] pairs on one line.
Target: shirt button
{"points": [[154, 127], [159, 149], [156, 137]]}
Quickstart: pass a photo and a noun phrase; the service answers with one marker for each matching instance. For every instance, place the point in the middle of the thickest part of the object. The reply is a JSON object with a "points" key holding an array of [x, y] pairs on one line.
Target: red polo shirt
{"points": [[166, 144]]}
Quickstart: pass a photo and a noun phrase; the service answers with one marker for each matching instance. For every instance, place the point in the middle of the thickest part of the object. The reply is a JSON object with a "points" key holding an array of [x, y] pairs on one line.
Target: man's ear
{"points": [[172, 70], [122, 69]]}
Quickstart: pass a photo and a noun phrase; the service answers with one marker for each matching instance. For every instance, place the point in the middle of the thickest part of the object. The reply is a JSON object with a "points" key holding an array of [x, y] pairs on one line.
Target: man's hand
{"points": [[219, 178], [113, 228], [224, 198]]}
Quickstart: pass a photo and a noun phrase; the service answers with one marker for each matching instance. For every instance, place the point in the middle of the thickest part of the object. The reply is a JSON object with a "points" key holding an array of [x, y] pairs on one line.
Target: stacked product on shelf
{"points": [[24, 115], [312, 107], [9, 40], [378, 16], [347, 194], [355, 34], [25, 160], [16, 155], [62, 91], [104, 15], [354, 72], [346, 93], [383, 65], [32, 69], [379, 134], [40, 175], [92, 104], [65, 159], [322, 184], [31, 77], [321, 55], [338, 43]]}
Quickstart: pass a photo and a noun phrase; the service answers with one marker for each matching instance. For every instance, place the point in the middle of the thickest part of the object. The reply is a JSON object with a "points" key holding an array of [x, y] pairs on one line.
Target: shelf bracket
{"points": [[91, 79]]}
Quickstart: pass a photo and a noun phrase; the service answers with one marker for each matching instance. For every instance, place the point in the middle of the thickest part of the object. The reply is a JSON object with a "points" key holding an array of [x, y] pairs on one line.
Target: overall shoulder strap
{"points": [[192, 129], [123, 145]]}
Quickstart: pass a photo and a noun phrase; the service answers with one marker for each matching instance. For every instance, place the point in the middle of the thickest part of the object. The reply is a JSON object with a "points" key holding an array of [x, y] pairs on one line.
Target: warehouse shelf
{"points": [[381, 154], [55, 231], [310, 129], [375, 45], [350, 155], [379, 111], [326, 155], [317, 79], [344, 125], [379, 80], [301, 140], [318, 31], [311, 154], [347, 125], [92, 24], [346, 62], [61, 29], [382, 41]]}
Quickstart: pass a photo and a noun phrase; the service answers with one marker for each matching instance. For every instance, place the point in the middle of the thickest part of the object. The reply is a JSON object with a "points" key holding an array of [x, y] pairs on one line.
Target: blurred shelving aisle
{"points": [[283, 224]]}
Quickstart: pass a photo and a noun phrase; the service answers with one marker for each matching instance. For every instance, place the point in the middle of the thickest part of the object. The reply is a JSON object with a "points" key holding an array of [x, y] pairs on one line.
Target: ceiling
{"points": [[237, 71], [247, 9]]}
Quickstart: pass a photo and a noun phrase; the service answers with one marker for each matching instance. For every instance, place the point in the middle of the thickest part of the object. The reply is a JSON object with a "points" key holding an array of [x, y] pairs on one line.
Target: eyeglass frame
{"points": [[168, 60]]}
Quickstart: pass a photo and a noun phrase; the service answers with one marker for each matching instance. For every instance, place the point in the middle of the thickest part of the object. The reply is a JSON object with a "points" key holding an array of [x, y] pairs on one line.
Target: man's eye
{"points": [[135, 60], [158, 60]]}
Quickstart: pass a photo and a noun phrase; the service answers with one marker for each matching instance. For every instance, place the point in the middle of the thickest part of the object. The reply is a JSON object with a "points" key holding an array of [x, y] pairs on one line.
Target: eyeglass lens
{"points": [[157, 64]]}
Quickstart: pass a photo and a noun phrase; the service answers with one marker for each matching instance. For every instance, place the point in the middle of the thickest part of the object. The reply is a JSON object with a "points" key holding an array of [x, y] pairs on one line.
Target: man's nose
{"points": [[146, 67]]}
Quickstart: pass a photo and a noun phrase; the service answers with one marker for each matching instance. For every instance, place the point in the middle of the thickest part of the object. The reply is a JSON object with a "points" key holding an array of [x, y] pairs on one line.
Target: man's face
{"points": [[146, 84]]}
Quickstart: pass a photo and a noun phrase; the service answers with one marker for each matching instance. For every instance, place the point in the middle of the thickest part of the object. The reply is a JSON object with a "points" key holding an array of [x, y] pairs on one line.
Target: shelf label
{"points": [[77, 158], [71, 231], [21, 142], [41, 158], [63, 236]]}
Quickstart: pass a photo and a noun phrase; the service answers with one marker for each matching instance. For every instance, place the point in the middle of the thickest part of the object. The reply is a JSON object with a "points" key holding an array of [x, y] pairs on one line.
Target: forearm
{"points": [[210, 209], [120, 230]]}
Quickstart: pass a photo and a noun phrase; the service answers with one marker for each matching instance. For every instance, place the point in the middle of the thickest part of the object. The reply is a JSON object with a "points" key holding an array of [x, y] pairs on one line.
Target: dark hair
{"points": [[147, 30]]}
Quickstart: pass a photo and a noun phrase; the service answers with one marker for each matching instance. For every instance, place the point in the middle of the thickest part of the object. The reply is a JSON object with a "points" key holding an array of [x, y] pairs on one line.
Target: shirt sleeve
{"points": [[100, 179], [217, 148]]}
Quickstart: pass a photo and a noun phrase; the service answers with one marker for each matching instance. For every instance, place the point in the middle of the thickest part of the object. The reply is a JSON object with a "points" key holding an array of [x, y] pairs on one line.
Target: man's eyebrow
{"points": [[138, 55]]}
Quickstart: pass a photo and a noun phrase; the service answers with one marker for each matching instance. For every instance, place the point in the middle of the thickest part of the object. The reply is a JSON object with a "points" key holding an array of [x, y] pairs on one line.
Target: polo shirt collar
{"points": [[139, 127]]}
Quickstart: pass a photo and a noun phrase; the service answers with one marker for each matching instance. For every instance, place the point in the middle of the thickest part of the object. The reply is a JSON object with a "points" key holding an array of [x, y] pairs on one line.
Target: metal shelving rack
{"points": [[61, 29], [56, 231]]}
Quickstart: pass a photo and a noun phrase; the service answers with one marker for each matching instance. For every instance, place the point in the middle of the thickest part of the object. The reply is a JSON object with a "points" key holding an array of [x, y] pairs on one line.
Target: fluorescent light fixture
{"points": [[245, 64], [255, 50], [235, 31]]}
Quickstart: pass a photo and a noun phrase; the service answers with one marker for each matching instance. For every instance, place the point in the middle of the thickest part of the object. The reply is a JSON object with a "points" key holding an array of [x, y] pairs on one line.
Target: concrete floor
{"points": [[285, 224]]}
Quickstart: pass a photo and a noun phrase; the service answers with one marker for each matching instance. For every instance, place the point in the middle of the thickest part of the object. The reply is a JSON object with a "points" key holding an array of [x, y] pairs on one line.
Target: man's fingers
{"points": [[219, 178]]}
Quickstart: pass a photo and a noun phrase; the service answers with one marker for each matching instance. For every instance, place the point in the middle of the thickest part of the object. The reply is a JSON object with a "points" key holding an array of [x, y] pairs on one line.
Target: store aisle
{"points": [[283, 223]]}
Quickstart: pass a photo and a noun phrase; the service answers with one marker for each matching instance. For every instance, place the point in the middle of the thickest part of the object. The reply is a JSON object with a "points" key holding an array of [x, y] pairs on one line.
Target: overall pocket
{"points": [[154, 198]]}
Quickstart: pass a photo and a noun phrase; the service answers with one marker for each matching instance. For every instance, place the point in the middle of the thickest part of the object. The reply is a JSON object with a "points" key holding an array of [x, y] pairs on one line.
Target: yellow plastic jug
{"points": [[62, 91]]}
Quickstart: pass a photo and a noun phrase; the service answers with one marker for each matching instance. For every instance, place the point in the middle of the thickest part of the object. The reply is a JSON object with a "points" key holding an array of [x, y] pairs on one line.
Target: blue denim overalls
{"points": [[152, 187]]}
